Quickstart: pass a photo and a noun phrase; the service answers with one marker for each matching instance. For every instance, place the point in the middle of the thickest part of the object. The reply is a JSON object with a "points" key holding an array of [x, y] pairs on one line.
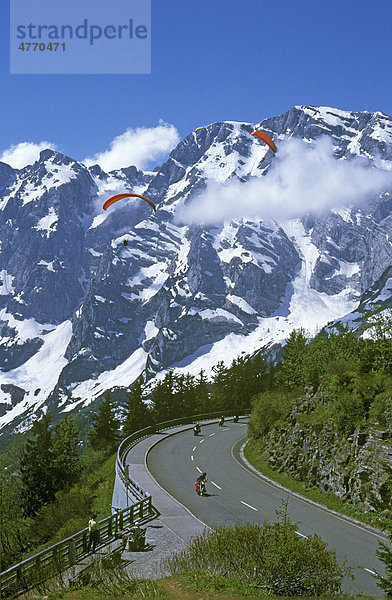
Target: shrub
{"points": [[347, 411], [381, 409], [270, 556], [70, 509], [267, 409]]}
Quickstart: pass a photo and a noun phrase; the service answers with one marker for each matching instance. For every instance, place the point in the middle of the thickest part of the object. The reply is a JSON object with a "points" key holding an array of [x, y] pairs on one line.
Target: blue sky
{"points": [[211, 60]]}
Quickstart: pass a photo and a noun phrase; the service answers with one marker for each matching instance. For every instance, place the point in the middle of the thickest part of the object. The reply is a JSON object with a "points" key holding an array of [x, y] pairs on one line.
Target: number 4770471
{"points": [[41, 46]]}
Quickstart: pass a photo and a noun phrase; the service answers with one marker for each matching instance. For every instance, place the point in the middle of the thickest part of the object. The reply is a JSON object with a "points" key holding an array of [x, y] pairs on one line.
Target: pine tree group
{"points": [[103, 434], [49, 463]]}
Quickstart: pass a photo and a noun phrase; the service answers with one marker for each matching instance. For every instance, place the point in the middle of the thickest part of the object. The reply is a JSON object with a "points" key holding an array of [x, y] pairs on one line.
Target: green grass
{"points": [[252, 454], [143, 589], [201, 582], [104, 477]]}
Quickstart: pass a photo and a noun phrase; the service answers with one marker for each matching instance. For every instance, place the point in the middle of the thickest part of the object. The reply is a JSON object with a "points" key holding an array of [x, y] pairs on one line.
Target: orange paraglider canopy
{"points": [[114, 199], [266, 138]]}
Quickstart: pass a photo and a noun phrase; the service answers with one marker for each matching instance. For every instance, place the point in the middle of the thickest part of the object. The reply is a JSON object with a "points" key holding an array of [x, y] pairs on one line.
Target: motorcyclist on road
{"points": [[196, 429], [221, 421], [200, 484]]}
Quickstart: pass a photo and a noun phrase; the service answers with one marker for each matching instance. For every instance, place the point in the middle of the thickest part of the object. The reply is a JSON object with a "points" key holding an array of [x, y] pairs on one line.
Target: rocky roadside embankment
{"points": [[356, 468]]}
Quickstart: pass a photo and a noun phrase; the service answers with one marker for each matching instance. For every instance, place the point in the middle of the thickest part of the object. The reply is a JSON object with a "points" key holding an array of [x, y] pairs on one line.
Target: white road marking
{"points": [[244, 425], [369, 571], [301, 534], [201, 441], [211, 434], [249, 506], [194, 449], [200, 471], [216, 485], [192, 457]]}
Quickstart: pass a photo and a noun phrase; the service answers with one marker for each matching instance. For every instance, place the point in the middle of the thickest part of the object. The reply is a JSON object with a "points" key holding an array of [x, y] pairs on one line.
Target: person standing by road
{"points": [[93, 529]]}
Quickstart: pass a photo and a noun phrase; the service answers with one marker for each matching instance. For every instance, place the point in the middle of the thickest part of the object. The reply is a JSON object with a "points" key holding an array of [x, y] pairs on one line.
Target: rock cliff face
{"points": [[357, 468]]}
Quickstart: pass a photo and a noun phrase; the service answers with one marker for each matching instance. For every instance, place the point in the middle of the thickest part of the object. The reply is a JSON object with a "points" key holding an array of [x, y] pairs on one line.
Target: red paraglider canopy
{"points": [[114, 199], [266, 138]]}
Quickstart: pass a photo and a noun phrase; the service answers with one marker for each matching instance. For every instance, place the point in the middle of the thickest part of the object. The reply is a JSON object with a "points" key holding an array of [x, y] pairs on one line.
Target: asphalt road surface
{"points": [[235, 493]]}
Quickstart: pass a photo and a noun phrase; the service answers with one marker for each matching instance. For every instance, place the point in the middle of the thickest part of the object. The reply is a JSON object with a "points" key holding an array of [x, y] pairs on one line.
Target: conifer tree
{"points": [[179, 393], [258, 374], [234, 382], [184, 395], [202, 397], [12, 525], [37, 468], [65, 451], [294, 359], [103, 433], [220, 391], [163, 399], [244, 380], [381, 332], [189, 395], [137, 415]]}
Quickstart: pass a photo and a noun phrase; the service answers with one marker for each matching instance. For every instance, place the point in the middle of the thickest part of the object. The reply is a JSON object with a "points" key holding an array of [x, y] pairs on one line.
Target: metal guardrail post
{"points": [[19, 575], [110, 527], [72, 551], [85, 546]]}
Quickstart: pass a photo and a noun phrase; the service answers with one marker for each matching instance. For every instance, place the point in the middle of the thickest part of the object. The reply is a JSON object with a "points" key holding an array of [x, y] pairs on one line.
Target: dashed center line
{"points": [[216, 485], [249, 506], [201, 441], [211, 434], [192, 457], [194, 449], [369, 571], [301, 534], [200, 471]]}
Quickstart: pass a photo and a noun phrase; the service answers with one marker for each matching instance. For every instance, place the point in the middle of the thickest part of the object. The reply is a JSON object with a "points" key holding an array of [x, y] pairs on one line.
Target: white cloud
{"points": [[25, 153], [137, 147], [302, 178]]}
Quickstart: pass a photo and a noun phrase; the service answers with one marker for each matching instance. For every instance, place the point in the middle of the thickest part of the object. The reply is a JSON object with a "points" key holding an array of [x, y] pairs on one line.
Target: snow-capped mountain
{"points": [[91, 299]]}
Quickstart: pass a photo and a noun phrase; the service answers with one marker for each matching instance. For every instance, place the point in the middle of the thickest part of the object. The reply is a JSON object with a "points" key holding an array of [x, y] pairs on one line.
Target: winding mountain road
{"points": [[237, 493]]}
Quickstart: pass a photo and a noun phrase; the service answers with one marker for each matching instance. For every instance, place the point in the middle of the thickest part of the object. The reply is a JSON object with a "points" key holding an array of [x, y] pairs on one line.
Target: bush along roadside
{"points": [[269, 557]]}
